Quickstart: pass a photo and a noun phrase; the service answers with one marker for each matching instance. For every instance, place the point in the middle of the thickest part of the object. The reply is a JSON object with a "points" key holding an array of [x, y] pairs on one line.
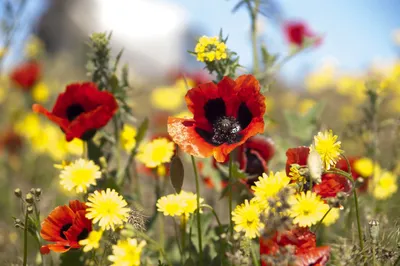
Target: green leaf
{"points": [[94, 152], [114, 83], [177, 173], [189, 262], [72, 257], [141, 133], [117, 58]]}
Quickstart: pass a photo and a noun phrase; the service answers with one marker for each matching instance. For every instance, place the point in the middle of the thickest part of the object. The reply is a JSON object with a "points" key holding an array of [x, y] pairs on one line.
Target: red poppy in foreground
{"points": [[225, 115], [297, 32], [331, 183], [304, 243], [81, 110], [26, 75], [65, 226]]}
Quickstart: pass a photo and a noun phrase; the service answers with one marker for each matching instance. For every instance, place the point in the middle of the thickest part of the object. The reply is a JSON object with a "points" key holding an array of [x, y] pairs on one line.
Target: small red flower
{"points": [[65, 226], [26, 75], [225, 116], [10, 141], [331, 183], [81, 110], [296, 32], [304, 243]]}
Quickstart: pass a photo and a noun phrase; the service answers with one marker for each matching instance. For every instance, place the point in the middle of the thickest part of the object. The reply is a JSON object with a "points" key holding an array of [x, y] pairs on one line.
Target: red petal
{"points": [[44, 250], [62, 122], [80, 224], [332, 184], [77, 205], [298, 156], [26, 75], [59, 247], [318, 256], [52, 225]]}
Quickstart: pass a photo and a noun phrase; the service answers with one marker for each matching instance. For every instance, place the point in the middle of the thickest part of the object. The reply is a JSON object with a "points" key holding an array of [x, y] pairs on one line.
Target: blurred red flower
{"points": [[304, 243], [81, 110], [296, 32], [26, 75], [225, 116], [10, 141], [342, 165], [65, 226]]}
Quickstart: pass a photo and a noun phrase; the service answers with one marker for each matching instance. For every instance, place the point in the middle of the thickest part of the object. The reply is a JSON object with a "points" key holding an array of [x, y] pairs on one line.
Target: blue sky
{"points": [[356, 32]]}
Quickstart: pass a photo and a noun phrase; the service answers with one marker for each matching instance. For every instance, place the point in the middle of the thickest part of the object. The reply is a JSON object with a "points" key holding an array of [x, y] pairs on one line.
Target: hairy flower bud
{"points": [[29, 198], [18, 193]]}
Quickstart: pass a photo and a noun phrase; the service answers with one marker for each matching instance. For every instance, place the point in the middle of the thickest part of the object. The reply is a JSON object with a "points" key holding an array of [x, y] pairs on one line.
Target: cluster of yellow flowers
{"points": [[209, 49], [182, 204], [45, 138]]}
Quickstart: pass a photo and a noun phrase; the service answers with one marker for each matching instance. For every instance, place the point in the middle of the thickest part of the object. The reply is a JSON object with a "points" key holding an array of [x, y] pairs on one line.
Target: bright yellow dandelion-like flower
{"points": [[307, 208], [171, 205], [80, 175], [190, 200], [40, 92], [107, 208], [384, 184], [326, 144], [92, 242], [209, 49], [331, 217], [246, 217], [128, 137], [126, 252], [156, 152], [268, 186], [364, 166]]}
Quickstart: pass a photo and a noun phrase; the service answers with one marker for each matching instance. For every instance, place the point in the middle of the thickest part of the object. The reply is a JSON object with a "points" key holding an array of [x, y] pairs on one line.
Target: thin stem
{"points": [[360, 234], [183, 235], [256, 262], [220, 226], [26, 239], [230, 194], [198, 210], [322, 219], [254, 14], [160, 249], [177, 238]]}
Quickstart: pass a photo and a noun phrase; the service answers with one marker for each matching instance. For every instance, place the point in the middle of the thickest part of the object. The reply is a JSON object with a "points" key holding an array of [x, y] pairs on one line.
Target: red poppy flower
{"points": [[26, 75], [296, 32], [65, 226], [331, 183], [81, 110], [225, 115], [304, 243]]}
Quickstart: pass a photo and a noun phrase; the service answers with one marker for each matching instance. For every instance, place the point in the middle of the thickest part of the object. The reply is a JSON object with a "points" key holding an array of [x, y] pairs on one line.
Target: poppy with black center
{"points": [[225, 115], [81, 110], [66, 226]]}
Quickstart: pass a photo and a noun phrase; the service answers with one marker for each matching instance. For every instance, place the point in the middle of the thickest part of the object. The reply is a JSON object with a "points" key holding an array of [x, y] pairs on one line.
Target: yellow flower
{"points": [[326, 144], [107, 208], [75, 146], [126, 252], [321, 79], [92, 242], [331, 217], [190, 202], [167, 98], [184, 114], [306, 105], [3, 52], [34, 47], [185, 84], [295, 174], [156, 152], [40, 92], [209, 49], [128, 137], [364, 166], [306, 208], [79, 175], [246, 217], [269, 186], [171, 205], [28, 126], [384, 184]]}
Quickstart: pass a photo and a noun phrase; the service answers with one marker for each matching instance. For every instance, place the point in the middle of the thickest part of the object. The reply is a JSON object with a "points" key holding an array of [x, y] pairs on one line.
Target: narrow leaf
{"points": [[177, 173]]}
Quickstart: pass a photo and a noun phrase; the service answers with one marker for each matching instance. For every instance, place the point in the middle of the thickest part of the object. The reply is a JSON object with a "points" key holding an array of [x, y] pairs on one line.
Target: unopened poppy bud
{"points": [[333, 202], [32, 191], [341, 196], [374, 230], [18, 193], [44, 250], [29, 209], [359, 182], [38, 192], [18, 223], [29, 198]]}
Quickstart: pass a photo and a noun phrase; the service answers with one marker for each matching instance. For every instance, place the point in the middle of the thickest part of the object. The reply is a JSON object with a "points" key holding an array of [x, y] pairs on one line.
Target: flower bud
{"points": [[374, 230], [333, 202], [32, 191], [18, 193], [103, 162], [359, 182], [38, 192], [29, 209], [29, 198], [341, 195]]}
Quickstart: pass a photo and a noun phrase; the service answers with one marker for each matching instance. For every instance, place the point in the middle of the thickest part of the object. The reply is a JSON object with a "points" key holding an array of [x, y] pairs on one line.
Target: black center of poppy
{"points": [[74, 110], [63, 229], [226, 129], [84, 234], [254, 165]]}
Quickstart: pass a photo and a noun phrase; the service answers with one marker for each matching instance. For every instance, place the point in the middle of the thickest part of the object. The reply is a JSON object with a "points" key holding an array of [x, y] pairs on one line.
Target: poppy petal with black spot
{"points": [[225, 115], [81, 110]]}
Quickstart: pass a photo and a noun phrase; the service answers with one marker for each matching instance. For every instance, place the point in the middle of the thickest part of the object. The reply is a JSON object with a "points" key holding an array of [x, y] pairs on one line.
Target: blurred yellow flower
{"points": [[3, 52], [74, 147], [332, 216], [171, 205], [384, 184], [326, 144], [246, 217], [184, 114], [321, 79], [126, 252], [190, 200], [40, 92], [156, 152], [34, 47], [92, 242], [307, 208], [353, 87], [128, 137], [268, 186], [364, 166], [185, 84], [167, 98], [79, 175], [209, 49], [29, 126], [107, 208], [306, 105]]}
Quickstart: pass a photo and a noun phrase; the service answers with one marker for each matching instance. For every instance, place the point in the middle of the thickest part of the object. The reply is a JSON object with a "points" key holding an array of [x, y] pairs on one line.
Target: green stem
{"points": [[220, 226], [360, 234], [253, 15], [160, 249], [183, 235], [322, 219], [198, 210], [26, 239], [230, 195], [256, 262]]}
